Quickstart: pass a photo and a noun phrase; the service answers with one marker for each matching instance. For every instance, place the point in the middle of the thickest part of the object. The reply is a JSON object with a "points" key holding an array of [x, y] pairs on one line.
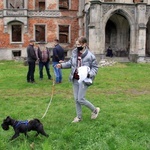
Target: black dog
{"points": [[23, 126]]}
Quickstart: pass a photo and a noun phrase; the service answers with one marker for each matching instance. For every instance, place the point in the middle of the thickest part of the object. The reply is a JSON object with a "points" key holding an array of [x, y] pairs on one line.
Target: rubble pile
{"points": [[105, 62]]}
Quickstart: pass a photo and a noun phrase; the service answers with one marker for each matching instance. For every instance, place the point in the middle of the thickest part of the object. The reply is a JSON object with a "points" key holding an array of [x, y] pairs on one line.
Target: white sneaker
{"points": [[95, 115], [76, 119]]}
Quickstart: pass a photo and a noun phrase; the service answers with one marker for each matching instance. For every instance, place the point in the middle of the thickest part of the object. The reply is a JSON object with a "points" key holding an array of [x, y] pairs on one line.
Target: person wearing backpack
{"points": [[44, 60]]}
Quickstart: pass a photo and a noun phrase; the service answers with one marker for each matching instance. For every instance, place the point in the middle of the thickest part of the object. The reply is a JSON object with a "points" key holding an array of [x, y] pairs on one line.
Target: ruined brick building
{"points": [[122, 24], [42, 20]]}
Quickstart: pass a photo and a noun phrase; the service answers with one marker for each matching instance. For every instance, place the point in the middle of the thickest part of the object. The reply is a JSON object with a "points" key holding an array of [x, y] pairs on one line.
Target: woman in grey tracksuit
{"points": [[81, 56]]}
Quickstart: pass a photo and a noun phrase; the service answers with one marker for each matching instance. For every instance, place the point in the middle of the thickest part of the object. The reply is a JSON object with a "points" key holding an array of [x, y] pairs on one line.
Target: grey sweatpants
{"points": [[79, 96]]}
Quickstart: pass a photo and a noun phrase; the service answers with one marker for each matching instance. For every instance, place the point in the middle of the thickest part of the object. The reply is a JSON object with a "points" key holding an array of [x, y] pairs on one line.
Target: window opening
{"points": [[16, 33], [64, 33], [40, 5], [138, 1], [16, 53], [40, 33], [63, 4]]}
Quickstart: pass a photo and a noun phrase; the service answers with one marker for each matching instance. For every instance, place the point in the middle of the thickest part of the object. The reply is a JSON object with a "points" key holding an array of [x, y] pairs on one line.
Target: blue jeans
{"points": [[58, 73], [41, 65]]}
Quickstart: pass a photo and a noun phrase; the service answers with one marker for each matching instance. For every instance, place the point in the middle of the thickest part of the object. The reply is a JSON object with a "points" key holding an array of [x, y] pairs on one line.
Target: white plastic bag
{"points": [[88, 81], [83, 72]]}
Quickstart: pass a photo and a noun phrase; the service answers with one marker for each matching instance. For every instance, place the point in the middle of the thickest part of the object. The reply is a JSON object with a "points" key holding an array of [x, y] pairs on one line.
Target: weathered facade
{"points": [[122, 24], [42, 20]]}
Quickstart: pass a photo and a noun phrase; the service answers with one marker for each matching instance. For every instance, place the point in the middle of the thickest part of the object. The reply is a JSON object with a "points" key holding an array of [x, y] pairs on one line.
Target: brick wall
{"points": [[4, 38], [1, 5], [67, 17]]}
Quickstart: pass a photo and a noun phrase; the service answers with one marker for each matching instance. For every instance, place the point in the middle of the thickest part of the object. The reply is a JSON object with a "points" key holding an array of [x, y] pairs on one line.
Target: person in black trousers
{"points": [[31, 59], [109, 52]]}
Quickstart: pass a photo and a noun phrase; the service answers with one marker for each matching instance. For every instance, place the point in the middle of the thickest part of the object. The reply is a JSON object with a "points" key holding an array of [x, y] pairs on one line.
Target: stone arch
{"points": [[129, 20], [17, 21], [120, 11], [22, 21], [147, 18], [15, 29]]}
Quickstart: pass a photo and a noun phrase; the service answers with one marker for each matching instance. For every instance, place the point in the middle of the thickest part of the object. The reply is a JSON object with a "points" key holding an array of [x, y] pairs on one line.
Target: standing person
{"points": [[31, 59], [58, 57], [81, 56], [44, 60], [109, 52]]}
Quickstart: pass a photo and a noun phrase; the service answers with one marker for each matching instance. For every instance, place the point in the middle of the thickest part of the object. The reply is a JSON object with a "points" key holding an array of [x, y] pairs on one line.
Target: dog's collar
{"points": [[21, 122]]}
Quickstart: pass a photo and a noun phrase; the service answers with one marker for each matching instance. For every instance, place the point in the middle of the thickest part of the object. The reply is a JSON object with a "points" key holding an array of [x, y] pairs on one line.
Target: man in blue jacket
{"points": [[58, 57]]}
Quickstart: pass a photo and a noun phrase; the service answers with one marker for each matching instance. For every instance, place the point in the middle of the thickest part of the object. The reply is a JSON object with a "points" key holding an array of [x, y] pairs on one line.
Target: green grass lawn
{"points": [[121, 91]]}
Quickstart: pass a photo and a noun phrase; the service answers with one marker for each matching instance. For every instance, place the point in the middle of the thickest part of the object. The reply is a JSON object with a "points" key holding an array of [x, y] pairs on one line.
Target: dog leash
{"points": [[50, 99]]}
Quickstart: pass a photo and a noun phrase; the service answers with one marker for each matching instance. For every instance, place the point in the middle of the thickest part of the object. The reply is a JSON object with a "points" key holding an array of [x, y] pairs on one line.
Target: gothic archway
{"points": [[117, 34]]}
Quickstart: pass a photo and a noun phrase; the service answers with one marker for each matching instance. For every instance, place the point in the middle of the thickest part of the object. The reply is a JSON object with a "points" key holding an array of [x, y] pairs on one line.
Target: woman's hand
{"points": [[58, 65], [61, 61]]}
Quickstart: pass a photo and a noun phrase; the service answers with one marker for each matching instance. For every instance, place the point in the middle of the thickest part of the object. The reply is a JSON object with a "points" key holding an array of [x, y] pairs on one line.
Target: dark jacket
{"points": [[40, 55], [31, 55], [58, 53]]}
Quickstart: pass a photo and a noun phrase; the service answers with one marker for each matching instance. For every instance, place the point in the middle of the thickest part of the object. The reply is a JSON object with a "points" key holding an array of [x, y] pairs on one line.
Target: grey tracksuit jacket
{"points": [[88, 59]]}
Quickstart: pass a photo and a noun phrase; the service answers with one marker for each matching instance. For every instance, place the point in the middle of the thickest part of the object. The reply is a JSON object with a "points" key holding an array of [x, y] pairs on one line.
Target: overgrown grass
{"points": [[121, 91]]}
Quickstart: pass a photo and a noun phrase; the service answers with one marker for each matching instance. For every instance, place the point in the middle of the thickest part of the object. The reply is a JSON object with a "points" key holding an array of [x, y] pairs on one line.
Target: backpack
{"points": [[44, 56]]}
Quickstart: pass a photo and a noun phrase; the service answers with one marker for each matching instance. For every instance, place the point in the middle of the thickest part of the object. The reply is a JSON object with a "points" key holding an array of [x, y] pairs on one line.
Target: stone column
{"points": [[141, 41], [80, 17], [94, 27], [26, 4], [86, 19]]}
